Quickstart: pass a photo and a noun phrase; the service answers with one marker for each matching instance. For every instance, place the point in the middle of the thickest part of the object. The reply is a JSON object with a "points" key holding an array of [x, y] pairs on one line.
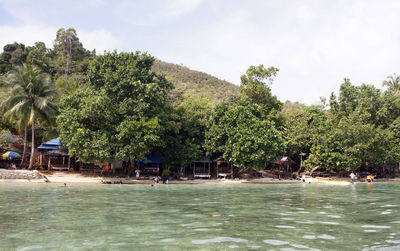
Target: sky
{"points": [[315, 44]]}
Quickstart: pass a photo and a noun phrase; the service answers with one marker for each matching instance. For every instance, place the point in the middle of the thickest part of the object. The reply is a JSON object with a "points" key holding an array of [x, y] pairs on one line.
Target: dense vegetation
{"points": [[121, 106]]}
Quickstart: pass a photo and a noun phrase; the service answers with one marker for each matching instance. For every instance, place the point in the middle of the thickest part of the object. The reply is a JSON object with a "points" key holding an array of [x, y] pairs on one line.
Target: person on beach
{"points": [[13, 166], [352, 177], [106, 169], [137, 172], [370, 178]]}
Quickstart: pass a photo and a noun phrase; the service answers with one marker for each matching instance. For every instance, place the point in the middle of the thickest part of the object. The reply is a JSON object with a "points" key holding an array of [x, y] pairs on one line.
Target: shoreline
{"points": [[68, 178]]}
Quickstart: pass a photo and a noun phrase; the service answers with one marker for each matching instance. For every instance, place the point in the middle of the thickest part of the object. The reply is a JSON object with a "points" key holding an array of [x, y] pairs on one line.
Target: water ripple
{"points": [[326, 237], [218, 240], [329, 223], [30, 248], [275, 242], [284, 226], [375, 226], [202, 229], [393, 241], [168, 240]]}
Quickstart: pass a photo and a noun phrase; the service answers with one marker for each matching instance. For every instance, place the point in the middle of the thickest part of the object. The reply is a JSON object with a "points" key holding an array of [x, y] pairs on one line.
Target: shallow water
{"points": [[200, 217]]}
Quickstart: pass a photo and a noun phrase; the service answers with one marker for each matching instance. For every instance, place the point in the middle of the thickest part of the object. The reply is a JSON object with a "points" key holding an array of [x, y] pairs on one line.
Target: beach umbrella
{"points": [[11, 154]]}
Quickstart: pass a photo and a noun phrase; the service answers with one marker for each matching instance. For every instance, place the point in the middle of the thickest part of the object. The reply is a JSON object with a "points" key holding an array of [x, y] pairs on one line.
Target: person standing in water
{"points": [[352, 177]]}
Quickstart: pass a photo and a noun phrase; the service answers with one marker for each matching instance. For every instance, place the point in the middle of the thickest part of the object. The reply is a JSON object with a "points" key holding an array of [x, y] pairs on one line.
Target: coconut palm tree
{"points": [[30, 98], [393, 83]]}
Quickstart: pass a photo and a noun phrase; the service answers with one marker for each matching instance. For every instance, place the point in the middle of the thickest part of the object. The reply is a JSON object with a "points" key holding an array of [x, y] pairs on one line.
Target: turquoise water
{"points": [[200, 217]]}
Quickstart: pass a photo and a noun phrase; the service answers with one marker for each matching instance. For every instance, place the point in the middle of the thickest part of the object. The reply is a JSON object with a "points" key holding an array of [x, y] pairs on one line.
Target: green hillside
{"points": [[192, 82]]}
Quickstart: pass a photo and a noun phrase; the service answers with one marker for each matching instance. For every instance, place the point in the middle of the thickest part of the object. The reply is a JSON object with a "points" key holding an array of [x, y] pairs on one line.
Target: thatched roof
{"points": [[56, 153], [284, 161]]}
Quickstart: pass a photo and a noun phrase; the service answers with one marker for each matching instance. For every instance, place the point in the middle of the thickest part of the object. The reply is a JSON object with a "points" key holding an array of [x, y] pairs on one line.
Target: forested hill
{"points": [[195, 83]]}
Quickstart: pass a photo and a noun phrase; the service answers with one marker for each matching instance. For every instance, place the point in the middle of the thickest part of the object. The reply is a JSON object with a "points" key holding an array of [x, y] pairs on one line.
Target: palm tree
{"points": [[393, 83], [31, 93]]}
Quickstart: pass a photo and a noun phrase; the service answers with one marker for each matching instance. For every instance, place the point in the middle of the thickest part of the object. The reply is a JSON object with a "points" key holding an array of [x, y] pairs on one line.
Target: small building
{"points": [[223, 168], [58, 160], [202, 168], [54, 156], [150, 165], [283, 167]]}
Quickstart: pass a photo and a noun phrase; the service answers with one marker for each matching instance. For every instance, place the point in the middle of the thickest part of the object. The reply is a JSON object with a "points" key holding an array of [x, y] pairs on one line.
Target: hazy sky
{"points": [[315, 44]]}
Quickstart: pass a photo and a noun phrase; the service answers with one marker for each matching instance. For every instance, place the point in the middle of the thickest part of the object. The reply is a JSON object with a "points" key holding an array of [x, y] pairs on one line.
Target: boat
{"points": [[332, 182]]}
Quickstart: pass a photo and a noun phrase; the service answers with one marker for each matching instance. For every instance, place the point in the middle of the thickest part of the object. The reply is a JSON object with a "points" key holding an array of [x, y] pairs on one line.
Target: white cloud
{"points": [[27, 34], [179, 7], [152, 12], [98, 39]]}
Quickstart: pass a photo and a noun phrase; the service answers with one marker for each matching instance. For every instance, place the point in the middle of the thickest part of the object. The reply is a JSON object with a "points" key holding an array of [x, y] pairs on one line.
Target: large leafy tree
{"points": [[69, 54], [185, 127], [255, 85], [302, 127], [358, 129], [30, 98], [116, 115], [40, 56], [13, 55], [244, 129], [239, 132]]}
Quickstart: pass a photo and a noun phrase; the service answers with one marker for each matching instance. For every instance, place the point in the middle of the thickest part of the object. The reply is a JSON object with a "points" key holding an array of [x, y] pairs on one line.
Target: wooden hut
{"points": [[283, 167], [54, 156], [202, 168], [223, 168], [58, 160]]}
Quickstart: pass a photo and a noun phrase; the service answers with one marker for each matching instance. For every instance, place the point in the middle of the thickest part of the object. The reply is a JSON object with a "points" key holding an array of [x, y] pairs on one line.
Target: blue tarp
{"points": [[51, 145], [151, 159]]}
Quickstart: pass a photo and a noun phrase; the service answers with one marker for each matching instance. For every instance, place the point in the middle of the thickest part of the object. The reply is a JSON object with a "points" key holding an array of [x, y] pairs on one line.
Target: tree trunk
{"points": [[24, 151], [33, 146]]}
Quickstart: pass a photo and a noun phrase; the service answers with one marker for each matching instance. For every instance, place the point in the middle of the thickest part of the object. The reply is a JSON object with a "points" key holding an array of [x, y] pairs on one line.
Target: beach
{"points": [[76, 177], [24, 176]]}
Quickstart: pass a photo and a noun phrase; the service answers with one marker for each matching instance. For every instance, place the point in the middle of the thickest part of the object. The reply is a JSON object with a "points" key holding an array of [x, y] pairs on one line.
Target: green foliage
{"points": [[7, 139], [302, 127], [185, 128], [13, 55], [69, 56], [122, 105], [255, 86], [116, 116], [239, 132], [31, 93], [393, 84], [39, 56], [30, 98], [359, 130]]}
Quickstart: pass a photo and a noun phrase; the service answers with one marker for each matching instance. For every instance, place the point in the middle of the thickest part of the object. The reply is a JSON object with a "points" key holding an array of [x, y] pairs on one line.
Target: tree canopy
{"points": [[116, 115]]}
